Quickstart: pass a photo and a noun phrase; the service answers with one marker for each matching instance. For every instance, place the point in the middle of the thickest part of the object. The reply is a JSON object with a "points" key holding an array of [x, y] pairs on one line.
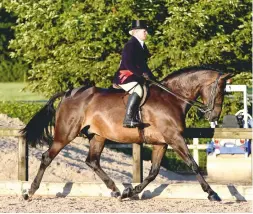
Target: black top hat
{"points": [[139, 24]]}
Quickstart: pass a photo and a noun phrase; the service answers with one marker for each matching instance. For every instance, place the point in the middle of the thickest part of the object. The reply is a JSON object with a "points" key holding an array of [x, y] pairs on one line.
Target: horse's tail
{"points": [[36, 131]]}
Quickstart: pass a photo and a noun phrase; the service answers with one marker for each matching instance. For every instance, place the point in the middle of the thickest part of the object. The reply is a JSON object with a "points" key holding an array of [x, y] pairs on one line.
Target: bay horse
{"points": [[100, 113]]}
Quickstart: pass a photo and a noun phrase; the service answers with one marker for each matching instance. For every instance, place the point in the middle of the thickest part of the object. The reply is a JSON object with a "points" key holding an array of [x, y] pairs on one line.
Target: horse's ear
{"points": [[227, 76]]}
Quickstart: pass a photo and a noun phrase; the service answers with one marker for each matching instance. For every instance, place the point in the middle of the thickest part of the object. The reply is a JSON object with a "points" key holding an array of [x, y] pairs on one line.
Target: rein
{"points": [[200, 106]]}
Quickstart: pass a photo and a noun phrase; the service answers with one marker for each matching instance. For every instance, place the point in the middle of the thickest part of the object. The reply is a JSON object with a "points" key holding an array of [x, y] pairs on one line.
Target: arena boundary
{"points": [[180, 190], [194, 133]]}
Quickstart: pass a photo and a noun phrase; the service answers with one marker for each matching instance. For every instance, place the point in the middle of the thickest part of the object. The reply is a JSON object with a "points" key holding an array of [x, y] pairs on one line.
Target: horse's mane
{"points": [[190, 69]]}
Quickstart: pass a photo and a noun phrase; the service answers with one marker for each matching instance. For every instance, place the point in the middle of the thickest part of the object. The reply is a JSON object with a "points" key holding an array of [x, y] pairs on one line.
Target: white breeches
{"points": [[132, 87]]}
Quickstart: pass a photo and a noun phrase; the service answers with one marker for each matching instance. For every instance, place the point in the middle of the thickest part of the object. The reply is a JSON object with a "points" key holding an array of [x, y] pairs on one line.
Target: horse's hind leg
{"points": [[93, 161], [66, 129], [47, 158], [157, 155], [181, 148]]}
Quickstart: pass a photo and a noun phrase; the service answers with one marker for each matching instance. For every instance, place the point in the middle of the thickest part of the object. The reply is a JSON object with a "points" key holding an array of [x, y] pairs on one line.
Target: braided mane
{"points": [[191, 69]]}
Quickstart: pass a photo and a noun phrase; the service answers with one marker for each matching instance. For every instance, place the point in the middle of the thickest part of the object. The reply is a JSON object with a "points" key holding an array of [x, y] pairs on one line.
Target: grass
{"points": [[13, 91]]}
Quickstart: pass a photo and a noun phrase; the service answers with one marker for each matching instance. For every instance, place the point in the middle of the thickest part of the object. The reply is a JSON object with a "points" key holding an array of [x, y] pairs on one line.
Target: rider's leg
{"points": [[134, 99]]}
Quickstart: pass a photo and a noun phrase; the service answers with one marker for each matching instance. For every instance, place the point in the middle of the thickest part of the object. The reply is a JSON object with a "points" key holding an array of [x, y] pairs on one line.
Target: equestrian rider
{"points": [[133, 67]]}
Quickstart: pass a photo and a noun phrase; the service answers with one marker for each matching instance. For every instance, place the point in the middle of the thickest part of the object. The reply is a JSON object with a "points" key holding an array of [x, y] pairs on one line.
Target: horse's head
{"points": [[212, 94]]}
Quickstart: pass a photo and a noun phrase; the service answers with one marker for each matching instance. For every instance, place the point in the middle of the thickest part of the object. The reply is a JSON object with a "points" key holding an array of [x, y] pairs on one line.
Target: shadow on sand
{"points": [[66, 190]]}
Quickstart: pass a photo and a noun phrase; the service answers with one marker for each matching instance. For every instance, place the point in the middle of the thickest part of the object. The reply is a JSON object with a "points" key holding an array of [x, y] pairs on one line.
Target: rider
{"points": [[133, 67]]}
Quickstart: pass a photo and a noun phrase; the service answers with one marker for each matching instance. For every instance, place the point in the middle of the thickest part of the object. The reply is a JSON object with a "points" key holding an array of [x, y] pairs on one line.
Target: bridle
{"points": [[210, 104], [200, 106]]}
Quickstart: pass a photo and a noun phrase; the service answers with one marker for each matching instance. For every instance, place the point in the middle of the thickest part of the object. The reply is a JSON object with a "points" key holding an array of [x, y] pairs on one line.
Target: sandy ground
{"points": [[112, 205], [69, 166]]}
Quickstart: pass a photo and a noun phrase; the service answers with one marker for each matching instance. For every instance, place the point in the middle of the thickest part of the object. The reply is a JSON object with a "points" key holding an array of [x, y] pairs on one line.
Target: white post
{"points": [[243, 88], [22, 159], [195, 150], [245, 107], [137, 163]]}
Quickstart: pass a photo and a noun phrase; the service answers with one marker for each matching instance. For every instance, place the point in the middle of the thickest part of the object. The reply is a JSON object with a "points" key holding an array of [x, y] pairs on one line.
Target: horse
{"points": [[99, 113]]}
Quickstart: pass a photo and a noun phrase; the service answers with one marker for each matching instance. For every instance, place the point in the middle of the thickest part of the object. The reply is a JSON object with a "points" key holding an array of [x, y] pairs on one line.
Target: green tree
{"points": [[216, 32], [10, 69], [66, 41]]}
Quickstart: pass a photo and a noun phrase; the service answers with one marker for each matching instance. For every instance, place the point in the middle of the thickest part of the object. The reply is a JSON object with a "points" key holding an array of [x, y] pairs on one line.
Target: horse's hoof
{"points": [[115, 194], [128, 192], [214, 197], [119, 199], [26, 196]]}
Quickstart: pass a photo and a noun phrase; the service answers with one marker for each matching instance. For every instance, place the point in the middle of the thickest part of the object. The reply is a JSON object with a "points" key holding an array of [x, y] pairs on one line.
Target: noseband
{"points": [[200, 106]]}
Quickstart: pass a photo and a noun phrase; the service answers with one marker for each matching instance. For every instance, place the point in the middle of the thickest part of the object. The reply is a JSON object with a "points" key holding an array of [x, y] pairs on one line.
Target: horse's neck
{"points": [[182, 86]]}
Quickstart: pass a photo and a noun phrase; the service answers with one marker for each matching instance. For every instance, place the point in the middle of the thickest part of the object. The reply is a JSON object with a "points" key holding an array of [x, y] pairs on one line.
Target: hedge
{"points": [[22, 110]]}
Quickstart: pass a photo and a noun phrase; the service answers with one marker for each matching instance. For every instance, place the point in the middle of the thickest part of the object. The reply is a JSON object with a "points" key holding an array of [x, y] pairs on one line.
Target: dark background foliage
{"points": [[62, 42]]}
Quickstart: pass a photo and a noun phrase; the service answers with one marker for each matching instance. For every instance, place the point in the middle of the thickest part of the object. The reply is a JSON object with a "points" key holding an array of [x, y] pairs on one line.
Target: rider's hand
{"points": [[146, 76]]}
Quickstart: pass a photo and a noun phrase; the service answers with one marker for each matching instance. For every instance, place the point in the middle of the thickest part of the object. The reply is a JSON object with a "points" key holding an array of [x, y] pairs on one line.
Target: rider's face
{"points": [[141, 34]]}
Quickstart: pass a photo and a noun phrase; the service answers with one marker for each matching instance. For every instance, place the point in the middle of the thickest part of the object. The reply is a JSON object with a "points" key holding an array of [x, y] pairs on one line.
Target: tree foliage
{"points": [[216, 32], [10, 69], [66, 41]]}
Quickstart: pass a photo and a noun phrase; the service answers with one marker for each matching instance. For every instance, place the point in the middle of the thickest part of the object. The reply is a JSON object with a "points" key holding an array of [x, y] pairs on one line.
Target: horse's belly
{"points": [[124, 135], [130, 135], [152, 136]]}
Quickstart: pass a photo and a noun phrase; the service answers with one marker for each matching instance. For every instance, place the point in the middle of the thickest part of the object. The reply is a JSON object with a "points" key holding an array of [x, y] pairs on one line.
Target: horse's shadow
{"points": [[147, 194], [234, 192], [66, 190]]}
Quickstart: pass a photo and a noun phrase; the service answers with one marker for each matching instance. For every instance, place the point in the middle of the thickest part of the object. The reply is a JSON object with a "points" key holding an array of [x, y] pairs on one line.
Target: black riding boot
{"points": [[131, 110]]}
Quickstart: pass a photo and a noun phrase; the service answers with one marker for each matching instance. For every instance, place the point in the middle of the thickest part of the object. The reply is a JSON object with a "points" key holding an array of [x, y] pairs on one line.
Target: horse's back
{"points": [[110, 90]]}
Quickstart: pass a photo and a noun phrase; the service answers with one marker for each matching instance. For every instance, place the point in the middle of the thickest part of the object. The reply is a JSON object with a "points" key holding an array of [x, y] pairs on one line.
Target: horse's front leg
{"points": [[93, 161], [177, 142], [157, 155]]}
